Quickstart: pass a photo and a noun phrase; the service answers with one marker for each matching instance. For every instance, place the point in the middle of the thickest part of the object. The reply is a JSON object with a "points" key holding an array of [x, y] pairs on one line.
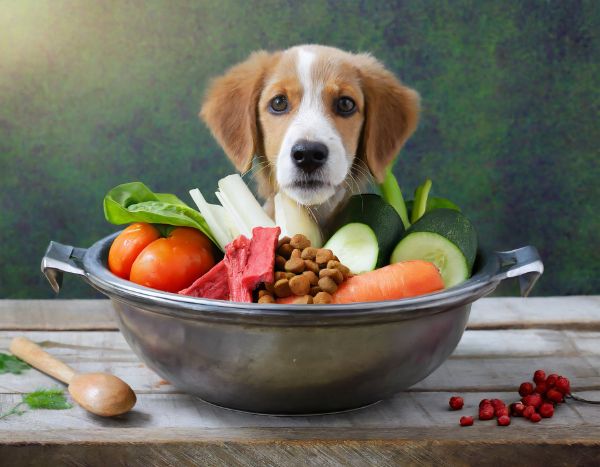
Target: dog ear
{"points": [[391, 115], [231, 105]]}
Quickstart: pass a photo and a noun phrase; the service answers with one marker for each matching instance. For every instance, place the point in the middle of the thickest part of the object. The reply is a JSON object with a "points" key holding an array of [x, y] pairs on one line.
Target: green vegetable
{"points": [[135, 202], [380, 216], [420, 203], [12, 364], [51, 399], [446, 238], [356, 246], [434, 202], [392, 194]]}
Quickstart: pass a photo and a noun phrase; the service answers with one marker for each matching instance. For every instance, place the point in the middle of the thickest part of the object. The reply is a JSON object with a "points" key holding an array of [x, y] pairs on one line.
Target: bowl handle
{"points": [[61, 258], [524, 263]]}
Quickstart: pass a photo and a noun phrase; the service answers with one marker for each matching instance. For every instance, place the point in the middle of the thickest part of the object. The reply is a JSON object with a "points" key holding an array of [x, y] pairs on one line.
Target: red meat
{"points": [[261, 259], [236, 258], [213, 284]]}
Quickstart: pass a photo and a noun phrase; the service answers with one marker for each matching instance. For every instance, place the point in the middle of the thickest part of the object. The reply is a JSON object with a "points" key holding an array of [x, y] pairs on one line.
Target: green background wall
{"points": [[93, 94]]}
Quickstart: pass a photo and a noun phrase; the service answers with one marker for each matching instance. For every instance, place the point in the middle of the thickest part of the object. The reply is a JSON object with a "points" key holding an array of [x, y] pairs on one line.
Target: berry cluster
{"points": [[537, 401]]}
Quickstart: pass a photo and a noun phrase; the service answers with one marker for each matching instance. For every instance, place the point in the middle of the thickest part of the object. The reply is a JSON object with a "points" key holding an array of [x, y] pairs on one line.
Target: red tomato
{"points": [[128, 245], [173, 263]]}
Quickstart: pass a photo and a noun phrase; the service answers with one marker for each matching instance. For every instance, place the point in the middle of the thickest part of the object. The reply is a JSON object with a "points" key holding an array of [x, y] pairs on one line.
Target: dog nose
{"points": [[309, 155]]}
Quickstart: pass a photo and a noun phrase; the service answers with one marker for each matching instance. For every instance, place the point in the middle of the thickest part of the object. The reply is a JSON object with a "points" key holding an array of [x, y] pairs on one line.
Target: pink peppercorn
{"points": [[525, 389], [486, 412], [516, 409], [554, 395], [532, 399], [456, 402], [563, 385], [536, 417], [466, 421], [504, 420], [539, 376], [546, 410], [501, 411], [551, 380], [528, 411]]}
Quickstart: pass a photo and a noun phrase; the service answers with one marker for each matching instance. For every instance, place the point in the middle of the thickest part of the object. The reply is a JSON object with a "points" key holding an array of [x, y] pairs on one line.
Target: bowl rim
{"points": [[96, 272]]}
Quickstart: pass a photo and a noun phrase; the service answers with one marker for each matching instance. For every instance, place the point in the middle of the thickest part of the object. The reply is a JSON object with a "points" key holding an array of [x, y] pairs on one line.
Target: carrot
{"points": [[398, 280]]}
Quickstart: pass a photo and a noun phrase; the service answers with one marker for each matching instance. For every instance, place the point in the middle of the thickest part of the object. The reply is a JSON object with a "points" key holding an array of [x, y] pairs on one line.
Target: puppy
{"points": [[319, 121]]}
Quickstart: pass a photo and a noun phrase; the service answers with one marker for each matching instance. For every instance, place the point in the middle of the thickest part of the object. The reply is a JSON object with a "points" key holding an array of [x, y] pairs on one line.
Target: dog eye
{"points": [[279, 104], [345, 106]]}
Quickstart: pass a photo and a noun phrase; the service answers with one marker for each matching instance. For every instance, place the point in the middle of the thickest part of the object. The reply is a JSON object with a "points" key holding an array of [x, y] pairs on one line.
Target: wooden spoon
{"points": [[100, 393]]}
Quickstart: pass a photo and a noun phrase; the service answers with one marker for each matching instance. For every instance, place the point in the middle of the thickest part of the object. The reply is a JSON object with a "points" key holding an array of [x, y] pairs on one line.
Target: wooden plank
{"points": [[575, 312], [488, 360], [170, 416], [413, 429], [56, 315]]}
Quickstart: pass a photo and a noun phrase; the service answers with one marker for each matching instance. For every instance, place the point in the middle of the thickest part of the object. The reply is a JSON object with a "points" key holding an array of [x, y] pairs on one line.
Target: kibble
{"points": [[296, 253], [283, 240], [304, 300], [313, 279], [266, 299], [314, 290], [279, 262], [300, 285], [335, 274], [322, 298], [328, 285], [262, 293], [300, 241], [280, 275], [282, 288], [309, 253], [295, 265], [311, 266], [323, 256], [335, 264], [285, 250]]}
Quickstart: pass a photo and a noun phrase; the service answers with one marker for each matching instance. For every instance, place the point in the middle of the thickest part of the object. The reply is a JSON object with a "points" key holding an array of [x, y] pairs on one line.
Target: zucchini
{"points": [[356, 247], [444, 237], [380, 216]]}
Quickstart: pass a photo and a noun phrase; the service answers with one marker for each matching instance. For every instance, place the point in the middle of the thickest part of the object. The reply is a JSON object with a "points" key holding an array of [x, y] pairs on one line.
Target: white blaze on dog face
{"points": [[308, 140]]}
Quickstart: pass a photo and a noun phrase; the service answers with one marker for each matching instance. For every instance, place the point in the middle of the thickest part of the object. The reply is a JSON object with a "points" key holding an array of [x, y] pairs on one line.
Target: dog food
{"points": [[310, 274]]}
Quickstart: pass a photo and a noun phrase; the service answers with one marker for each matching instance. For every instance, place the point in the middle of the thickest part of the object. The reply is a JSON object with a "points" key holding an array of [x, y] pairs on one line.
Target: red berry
{"points": [[525, 389], [554, 395], [484, 402], [546, 410], [532, 399], [497, 403], [466, 421], [529, 411], [563, 385], [517, 408], [501, 411], [456, 402], [551, 380], [536, 417], [539, 376], [541, 387], [486, 412], [504, 420]]}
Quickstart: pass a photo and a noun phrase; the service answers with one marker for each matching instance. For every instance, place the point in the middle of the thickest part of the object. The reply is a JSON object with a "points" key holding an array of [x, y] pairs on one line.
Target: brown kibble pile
{"points": [[310, 274]]}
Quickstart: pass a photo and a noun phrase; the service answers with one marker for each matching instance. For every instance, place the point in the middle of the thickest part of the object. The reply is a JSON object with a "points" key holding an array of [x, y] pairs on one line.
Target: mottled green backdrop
{"points": [[96, 93]]}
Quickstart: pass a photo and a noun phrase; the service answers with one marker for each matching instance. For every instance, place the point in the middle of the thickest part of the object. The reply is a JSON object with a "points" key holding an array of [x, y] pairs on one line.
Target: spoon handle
{"points": [[33, 354]]}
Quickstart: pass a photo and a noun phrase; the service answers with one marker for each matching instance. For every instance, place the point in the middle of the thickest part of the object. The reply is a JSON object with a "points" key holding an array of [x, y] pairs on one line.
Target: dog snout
{"points": [[308, 156]]}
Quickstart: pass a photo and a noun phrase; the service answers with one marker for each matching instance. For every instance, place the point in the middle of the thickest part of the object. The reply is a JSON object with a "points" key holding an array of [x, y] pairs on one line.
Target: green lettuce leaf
{"points": [[135, 202]]}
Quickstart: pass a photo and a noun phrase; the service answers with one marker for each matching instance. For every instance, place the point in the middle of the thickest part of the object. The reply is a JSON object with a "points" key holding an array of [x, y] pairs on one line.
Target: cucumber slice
{"points": [[356, 246], [436, 249]]}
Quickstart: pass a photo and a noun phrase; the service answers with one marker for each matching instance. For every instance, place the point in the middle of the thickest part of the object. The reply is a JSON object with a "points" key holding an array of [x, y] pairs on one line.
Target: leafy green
{"points": [[51, 399], [135, 202], [391, 192], [12, 364]]}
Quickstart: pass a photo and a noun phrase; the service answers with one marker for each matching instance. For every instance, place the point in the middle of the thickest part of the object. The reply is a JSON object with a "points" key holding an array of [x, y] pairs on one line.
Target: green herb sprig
{"points": [[12, 364], [50, 399]]}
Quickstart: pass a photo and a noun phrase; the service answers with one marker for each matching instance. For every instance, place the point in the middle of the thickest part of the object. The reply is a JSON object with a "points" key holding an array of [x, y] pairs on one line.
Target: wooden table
{"points": [[506, 341]]}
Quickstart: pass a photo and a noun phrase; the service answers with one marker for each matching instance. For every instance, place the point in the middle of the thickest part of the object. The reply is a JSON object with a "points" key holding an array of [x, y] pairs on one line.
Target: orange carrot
{"points": [[398, 280]]}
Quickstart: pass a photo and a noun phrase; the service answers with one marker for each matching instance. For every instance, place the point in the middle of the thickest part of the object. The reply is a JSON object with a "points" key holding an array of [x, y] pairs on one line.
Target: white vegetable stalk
{"points": [[295, 219], [216, 217]]}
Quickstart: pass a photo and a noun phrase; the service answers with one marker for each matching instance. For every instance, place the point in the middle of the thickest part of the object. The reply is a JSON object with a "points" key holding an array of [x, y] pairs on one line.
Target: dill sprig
{"points": [[12, 364], [51, 399]]}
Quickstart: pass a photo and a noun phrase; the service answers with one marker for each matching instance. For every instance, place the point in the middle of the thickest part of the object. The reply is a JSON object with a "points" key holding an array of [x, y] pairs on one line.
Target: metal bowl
{"points": [[290, 359]]}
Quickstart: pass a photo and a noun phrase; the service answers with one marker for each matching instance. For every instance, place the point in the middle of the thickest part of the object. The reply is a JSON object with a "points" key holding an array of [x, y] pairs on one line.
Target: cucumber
{"points": [[446, 238], [380, 216], [356, 247]]}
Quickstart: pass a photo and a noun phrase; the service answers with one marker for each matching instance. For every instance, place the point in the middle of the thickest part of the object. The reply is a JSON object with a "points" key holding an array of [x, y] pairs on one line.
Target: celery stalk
{"points": [[392, 194], [294, 219], [217, 223]]}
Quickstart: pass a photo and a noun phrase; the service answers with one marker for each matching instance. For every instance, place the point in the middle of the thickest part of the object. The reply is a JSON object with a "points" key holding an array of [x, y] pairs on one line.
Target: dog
{"points": [[319, 121]]}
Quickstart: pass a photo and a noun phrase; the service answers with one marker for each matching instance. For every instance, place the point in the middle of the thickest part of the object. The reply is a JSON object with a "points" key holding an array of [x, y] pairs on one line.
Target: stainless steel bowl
{"points": [[290, 359]]}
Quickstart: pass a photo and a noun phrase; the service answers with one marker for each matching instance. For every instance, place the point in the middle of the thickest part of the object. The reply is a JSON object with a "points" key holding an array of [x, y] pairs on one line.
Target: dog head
{"points": [[312, 115]]}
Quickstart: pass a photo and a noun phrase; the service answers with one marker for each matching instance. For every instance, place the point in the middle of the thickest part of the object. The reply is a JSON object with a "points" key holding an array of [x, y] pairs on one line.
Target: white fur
{"points": [[312, 123]]}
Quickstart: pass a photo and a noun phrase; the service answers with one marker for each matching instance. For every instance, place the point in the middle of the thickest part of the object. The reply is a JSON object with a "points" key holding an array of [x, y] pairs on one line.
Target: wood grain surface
{"points": [[507, 339]]}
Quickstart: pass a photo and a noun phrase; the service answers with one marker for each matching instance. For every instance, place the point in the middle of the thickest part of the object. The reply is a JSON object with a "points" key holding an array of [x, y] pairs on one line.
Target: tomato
{"points": [[128, 245], [173, 263]]}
